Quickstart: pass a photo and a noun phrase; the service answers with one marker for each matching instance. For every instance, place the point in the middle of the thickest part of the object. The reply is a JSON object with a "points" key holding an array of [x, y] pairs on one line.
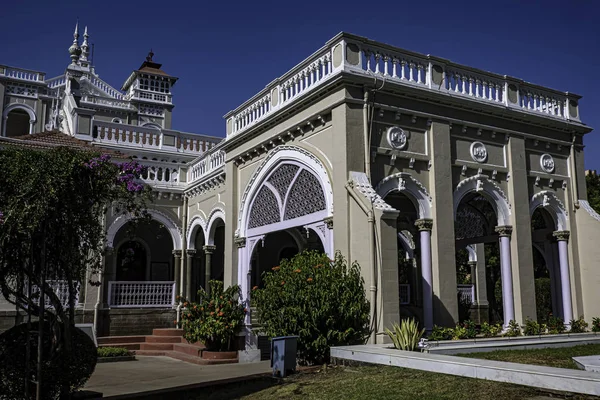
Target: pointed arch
{"points": [[276, 180], [216, 214], [551, 203], [197, 223], [483, 185], [18, 106], [404, 183], [159, 216]]}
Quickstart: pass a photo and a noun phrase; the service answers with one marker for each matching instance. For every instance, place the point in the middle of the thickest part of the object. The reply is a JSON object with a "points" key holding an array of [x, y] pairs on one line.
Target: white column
{"points": [[565, 281], [508, 300], [424, 226]]}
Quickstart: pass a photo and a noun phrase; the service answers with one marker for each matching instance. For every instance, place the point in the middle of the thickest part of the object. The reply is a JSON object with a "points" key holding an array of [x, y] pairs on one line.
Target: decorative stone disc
{"points": [[397, 137], [479, 152], [547, 163]]}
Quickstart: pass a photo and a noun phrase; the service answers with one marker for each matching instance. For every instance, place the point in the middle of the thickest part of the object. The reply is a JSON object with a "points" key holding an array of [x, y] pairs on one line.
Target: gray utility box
{"points": [[283, 355]]}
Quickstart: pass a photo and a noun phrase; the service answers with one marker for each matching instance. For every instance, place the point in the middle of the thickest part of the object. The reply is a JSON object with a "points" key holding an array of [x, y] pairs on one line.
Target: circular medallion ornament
{"points": [[478, 152], [547, 163], [397, 138]]}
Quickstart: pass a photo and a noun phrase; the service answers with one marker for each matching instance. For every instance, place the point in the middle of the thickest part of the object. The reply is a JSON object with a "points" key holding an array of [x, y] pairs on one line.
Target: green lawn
{"points": [[372, 383], [558, 357]]}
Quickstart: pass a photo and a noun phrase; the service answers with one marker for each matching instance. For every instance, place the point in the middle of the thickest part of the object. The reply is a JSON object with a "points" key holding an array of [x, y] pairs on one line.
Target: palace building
{"points": [[452, 187]]}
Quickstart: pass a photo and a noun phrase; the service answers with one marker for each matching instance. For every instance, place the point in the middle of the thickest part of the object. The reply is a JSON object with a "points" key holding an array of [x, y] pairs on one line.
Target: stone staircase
{"points": [[162, 342]]}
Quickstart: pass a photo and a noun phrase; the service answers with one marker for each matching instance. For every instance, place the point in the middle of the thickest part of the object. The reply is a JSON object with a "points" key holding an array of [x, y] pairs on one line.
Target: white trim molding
{"points": [[158, 216], [404, 183], [551, 203], [197, 222], [483, 185]]}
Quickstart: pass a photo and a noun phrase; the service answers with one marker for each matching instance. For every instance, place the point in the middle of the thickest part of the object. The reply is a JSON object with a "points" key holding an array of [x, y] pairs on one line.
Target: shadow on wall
{"points": [[441, 315]]}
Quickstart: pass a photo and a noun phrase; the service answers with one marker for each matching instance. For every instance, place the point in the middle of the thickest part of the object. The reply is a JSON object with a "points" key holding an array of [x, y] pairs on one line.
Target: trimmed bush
{"points": [[113, 352], [556, 325], [320, 300], [441, 333], [596, 324], [513, 329], [532, 328], [579, 325], [215, 319], [490, 330], [61, 368]]}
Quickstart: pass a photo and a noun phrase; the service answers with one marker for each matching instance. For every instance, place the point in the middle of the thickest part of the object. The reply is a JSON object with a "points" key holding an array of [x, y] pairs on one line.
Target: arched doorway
{"points": [[409, 269], [290, 191], [18, 120], [482, 217]]}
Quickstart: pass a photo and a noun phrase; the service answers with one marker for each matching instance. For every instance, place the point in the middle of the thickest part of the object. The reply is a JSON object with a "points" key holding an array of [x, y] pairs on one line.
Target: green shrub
{"points": [[596, 324], [556, 325], [61, 368], [441, 333], [465, 330], [113, 352], [489, 330], [513, 329], [215, 319], [320, 300], [579, 325], [405, 336], [532, 328]]}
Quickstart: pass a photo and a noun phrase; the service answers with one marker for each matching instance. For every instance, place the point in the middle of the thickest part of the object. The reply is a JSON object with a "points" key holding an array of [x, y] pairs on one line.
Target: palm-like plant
{"points": [[405, 335]]}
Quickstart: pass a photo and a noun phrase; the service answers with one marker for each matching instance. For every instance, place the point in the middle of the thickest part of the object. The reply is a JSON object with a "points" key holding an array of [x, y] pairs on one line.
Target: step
{"points": [[197, 344], [128, 346], [106, 340], [167, 332], [199, 360], [154, 353], [190, 349], [156, 346], [163, 339]]}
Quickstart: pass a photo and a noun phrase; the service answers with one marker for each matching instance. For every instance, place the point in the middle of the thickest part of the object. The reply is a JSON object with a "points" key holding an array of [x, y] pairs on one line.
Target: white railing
{"points": [[302, 79], [22, 74], [105, 87], [61, 289], [467, 292], [158, 97], [141, 294], [56, 81], [361, 56], [103, 101], [150, 138], [207, 164], [160, 174], [404, 291]]}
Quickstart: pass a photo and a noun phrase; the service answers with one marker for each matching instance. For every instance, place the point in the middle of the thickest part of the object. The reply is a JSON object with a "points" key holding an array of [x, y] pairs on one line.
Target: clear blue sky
{"points": [[226, 51]]}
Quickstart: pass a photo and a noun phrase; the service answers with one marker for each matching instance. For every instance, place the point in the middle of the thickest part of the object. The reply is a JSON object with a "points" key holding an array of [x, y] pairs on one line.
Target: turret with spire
{"points": [[85, 50], [74, 50]]}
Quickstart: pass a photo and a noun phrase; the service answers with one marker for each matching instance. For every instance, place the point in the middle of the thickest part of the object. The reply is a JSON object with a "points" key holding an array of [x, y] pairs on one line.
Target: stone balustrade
{"points": [[22, 74], [150, 138], [207, 164], [357, 55], [161, 174], [56, 82], [104, 101], [106, 88]]}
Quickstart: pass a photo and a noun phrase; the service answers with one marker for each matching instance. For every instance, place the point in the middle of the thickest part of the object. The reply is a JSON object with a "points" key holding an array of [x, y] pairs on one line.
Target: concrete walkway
{"points": [[153, 375]]}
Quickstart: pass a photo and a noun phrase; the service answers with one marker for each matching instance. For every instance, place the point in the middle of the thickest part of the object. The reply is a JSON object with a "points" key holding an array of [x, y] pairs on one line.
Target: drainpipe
{"points": [[101, 279], [366, 134], [373, 287]]}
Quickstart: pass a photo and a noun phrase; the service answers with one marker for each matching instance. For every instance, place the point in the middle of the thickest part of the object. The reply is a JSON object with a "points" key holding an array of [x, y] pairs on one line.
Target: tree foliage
{"points": [[320, 300], [593, 191], [52, 205]]}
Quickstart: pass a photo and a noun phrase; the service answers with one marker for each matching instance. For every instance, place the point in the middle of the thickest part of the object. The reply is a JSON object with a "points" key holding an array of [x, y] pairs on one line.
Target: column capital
{"points": [[177, 253], [472, 263], [561, 235], [504, 230], [424, 224], [328, 222], [240, 242], [190, 252], [209, 248], [109, 251]]}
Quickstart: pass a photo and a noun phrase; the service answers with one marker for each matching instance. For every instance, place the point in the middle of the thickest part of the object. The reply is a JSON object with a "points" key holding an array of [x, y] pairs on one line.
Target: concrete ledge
{"points": [[564, 380], [517, 343], [588, 363]]}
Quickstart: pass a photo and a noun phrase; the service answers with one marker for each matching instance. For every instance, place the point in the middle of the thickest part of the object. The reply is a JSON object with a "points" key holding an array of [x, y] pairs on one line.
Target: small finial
{"points": [[150, 55], [85, 49], [74, 50]]}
